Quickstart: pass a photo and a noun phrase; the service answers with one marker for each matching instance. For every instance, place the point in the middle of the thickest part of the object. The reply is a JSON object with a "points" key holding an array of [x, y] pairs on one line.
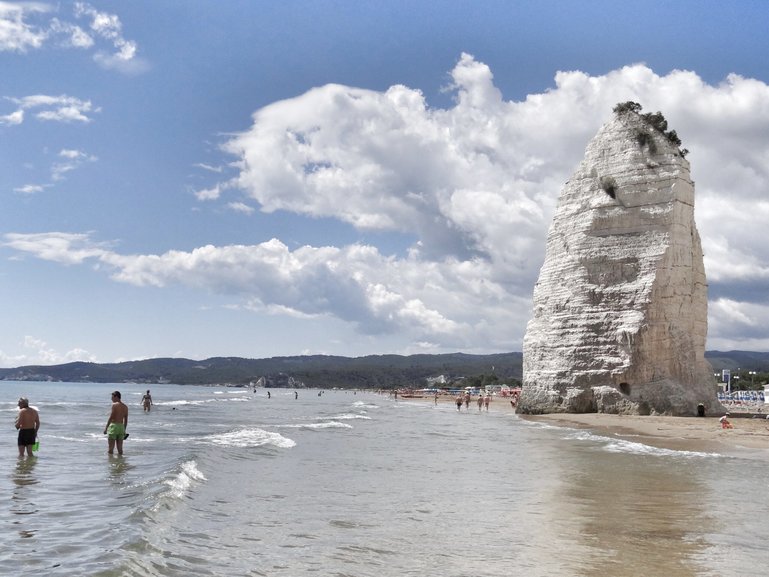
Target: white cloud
{"points": [[26, 25], [60, 108], [71, 35], [209, 168], [15, 117], [62, 247], [240, 207], [16, 33], [211, 193], [123, 56], [74, 159], [43, 354], [476, 184], [38, 352], [30, 188]]}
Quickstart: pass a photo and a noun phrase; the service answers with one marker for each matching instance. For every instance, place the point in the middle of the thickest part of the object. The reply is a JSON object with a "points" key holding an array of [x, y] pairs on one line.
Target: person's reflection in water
{"points": [[21, 503], [118, 466]]}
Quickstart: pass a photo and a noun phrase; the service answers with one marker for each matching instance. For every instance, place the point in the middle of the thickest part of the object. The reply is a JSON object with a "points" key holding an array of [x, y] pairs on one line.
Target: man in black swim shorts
{"points": [[27, 422]]}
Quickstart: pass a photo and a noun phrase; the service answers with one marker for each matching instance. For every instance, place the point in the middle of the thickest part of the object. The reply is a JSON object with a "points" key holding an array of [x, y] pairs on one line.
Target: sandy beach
{"points": [[679, 433]]}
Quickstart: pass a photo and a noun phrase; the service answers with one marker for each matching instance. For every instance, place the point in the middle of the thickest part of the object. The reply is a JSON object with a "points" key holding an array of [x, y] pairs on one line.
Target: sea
{"points": [[225, 481]]}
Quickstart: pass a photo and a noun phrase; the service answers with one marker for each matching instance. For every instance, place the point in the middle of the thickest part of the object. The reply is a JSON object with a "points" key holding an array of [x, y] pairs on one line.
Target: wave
{"points": [[184, 479], [364, 405], [348, 417], [182, 402], [323, 425], [244, 438], [614, 445]]}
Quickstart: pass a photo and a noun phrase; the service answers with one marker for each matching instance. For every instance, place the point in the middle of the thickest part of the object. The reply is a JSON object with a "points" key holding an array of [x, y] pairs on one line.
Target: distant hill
{"points": [[743, 360], [374, 371]]}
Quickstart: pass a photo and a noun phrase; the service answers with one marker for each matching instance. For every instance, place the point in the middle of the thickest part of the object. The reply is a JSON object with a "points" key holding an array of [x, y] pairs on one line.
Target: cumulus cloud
{"points": [[44, 354], [475, 184], [36, 351]]}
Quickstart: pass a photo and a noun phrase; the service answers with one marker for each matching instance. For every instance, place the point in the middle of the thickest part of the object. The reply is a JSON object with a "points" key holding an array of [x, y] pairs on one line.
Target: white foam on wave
{"points": [[182, 402], [188, 475], [614, 445], [251, 437], [322, 425], [364, 405], [348, 417]]}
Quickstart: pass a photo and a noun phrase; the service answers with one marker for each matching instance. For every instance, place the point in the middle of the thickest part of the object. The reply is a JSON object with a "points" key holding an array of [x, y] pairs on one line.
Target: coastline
{"points": [[702, 434], [678, 433]]}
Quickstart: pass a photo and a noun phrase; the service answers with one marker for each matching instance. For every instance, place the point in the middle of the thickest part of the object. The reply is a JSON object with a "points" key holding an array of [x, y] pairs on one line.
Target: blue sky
{"points": [[257, 179]]}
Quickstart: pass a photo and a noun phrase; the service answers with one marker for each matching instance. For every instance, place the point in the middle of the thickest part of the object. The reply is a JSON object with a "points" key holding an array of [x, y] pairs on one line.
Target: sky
{"points": [[346, 177]]}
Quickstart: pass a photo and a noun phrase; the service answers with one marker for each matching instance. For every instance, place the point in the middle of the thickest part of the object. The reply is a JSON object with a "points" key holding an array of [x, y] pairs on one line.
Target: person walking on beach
{"points": [[147, 402], [480, 402], [487, 401], [459, 402], [467, 400], [116, 424], [27, 422], [725, 424]]}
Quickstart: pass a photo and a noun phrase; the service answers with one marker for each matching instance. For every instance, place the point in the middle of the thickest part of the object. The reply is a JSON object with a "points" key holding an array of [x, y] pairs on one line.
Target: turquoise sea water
{"points": [[225, 482]]}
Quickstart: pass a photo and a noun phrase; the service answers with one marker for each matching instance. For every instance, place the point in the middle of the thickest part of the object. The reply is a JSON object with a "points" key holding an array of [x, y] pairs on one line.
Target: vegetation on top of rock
{"points": [[654, 120]]}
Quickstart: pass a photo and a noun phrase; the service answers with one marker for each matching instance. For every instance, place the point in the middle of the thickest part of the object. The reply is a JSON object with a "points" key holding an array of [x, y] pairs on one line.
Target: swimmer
{"points": [[147, 402]]}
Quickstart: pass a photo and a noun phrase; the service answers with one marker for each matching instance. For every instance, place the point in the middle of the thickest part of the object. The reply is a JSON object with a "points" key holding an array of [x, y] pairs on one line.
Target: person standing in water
{"points": [[116, 424], [27, 422], [147, 402]]}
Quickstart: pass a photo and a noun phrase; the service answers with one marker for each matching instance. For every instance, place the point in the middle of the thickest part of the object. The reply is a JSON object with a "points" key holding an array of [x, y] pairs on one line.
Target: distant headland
{"points": [[325, 371]]}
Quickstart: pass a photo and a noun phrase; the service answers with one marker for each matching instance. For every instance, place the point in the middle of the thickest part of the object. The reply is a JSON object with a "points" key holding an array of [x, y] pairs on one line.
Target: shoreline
{"points": [[701, 434]]}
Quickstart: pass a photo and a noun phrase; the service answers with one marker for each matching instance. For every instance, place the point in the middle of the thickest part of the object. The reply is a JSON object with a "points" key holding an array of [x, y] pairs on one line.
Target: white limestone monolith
{"points": [[619, 318]]}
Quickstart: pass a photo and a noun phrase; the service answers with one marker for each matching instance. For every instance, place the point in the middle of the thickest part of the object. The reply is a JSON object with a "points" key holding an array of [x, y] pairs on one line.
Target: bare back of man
{"points": [[27, 422], [116, 424]]}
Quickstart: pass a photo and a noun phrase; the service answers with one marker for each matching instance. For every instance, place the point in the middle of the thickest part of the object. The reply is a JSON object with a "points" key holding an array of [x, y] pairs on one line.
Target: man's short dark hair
{"points": [[116, 394]]}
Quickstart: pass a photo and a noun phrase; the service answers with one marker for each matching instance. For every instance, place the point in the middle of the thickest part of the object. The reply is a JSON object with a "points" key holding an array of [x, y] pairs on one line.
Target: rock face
{"points": [[620, 308]]}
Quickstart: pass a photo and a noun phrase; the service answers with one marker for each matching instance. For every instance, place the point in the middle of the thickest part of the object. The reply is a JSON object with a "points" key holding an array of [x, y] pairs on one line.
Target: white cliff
{"points": [[620, 308]]}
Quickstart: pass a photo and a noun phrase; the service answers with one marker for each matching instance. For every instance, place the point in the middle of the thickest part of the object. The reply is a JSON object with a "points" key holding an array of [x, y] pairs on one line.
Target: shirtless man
{"points": [[27, 422], [116, 424]]}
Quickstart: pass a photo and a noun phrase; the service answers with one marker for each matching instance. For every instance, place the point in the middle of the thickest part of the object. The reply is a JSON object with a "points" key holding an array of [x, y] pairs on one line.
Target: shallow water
{"points": [[221, 481]]}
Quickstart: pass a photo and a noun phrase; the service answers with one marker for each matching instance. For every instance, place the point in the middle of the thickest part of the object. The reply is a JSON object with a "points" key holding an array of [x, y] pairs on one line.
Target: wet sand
{"points": [[679, 433], [683, 433]]}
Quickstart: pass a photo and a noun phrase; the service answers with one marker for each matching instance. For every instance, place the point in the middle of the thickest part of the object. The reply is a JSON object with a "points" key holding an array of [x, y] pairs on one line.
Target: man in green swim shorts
{"points": [[116, 424]]}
